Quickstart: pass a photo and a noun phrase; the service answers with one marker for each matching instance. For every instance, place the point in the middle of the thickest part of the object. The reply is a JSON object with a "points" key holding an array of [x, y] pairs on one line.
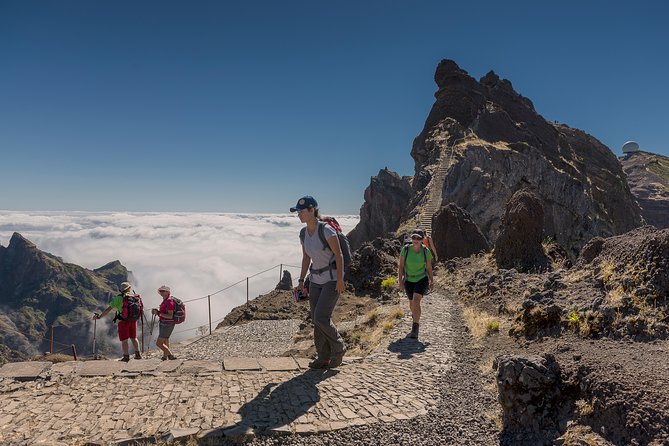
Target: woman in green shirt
{"points": [[415, 276]]}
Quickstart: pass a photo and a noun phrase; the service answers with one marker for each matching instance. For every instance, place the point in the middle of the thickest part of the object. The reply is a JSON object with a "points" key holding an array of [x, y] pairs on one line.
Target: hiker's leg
{"points": [[322, 317], [132, 333], [415, 307], [165, 330], [408, 289], [123, 335], [160, 343], [419, 290], [320, 341]]}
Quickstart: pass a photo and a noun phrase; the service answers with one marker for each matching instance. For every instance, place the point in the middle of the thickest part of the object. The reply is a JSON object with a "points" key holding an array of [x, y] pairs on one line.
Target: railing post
{"points": [[247, 290], [74, 352], [51, 341], [209, 303]]}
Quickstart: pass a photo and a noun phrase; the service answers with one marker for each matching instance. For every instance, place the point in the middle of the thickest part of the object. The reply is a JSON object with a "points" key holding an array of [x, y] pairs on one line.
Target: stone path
{"points": [[108, 401]]}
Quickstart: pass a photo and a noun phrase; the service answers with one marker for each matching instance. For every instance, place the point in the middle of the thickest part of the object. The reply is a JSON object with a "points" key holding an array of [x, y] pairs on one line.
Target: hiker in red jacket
{"points": [[166, 324]]}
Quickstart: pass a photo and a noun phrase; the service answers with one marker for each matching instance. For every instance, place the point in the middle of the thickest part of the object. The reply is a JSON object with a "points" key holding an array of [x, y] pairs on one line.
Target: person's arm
{"points": [[401, 272], [103, 314], [333, 243], [168, 315], [306, 260], [432, 248], [430, 276]]}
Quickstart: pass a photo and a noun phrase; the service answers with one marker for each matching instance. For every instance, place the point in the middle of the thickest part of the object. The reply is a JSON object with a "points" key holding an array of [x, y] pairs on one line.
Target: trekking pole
{"points": [[153, 322], [95, 332], [142, 318]]}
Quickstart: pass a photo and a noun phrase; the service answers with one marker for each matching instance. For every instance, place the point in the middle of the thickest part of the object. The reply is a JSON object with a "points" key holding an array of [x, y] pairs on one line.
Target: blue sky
{"points": [[245, 106]]}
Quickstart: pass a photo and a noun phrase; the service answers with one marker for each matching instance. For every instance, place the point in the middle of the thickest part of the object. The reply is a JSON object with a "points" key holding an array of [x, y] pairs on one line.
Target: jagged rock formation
{"points": [[530, 396], [455, 234], [286, 282], [637, 262], [386, 200], [648, 177], [371, 264], [38, 290], [519, 243], [482, 142]]}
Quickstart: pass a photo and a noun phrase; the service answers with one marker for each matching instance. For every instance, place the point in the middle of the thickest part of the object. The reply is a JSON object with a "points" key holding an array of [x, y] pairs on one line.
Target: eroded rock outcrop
{"points": [[372, 263], [519, 243], [530, 395], [648, 177], [385, 206], [455, 233]]}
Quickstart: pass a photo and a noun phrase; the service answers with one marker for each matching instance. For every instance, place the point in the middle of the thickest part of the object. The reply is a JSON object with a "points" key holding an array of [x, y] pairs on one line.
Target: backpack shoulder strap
{"points": [[425, 255], [321, 234]]}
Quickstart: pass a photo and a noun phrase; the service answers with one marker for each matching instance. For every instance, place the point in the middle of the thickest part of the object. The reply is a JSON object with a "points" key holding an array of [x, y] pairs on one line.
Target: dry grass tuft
{"points": [[387, 326], [397, 313], [373, 316], [479, 322]]}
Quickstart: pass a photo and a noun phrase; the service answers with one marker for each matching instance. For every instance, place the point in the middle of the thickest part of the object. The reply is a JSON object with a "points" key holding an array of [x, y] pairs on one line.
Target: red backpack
{"points": [[133, 308], [179, 314]]}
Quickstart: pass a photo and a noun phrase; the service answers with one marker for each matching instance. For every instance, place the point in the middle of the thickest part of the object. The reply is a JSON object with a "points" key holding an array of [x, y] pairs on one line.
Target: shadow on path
{"points": [[407, 347], [280, 404]]}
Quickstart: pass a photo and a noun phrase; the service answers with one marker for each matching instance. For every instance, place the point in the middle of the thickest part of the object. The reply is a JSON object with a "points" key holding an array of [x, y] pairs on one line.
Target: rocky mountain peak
{"points": [[18, 242], [483, 141]]}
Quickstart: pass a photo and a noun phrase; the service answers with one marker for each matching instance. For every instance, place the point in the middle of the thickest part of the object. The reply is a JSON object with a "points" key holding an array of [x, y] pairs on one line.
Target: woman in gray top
{"points": [[326, 281]]}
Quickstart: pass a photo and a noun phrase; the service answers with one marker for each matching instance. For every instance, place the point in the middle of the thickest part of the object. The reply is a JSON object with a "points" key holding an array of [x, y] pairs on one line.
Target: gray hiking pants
{"points": [[322, 300]]}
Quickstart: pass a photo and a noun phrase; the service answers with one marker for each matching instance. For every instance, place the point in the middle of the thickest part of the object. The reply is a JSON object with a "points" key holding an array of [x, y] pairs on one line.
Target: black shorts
{"points": [[419, 287]]}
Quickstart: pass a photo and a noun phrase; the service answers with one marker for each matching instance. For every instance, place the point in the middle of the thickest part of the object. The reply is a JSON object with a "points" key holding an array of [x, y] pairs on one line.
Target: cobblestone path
{"points": [[396, 382]]}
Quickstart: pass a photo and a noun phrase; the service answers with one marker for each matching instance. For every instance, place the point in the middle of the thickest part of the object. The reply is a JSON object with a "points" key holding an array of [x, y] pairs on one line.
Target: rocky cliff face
{"points": [[490, 142], [648, 177], [38, 290], [386, 201]]}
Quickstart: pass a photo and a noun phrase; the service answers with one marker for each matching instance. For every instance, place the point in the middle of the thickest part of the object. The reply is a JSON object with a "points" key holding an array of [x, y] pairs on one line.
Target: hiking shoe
{"points": [[336, 361], [163, 358], [414, 331], [171, 357], [138, 355], [125, 358], [319, 363]]}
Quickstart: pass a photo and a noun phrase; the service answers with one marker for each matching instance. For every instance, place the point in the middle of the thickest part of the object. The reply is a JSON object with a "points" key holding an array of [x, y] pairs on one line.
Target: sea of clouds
{"points": [[196, 254]]}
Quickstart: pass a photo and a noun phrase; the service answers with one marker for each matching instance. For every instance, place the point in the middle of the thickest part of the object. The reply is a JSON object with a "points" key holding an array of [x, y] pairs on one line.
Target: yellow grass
{"points": [[479, 322]]}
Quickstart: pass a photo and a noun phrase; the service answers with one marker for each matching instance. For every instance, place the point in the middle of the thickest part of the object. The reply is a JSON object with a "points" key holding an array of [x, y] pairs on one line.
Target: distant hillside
{"points": [[648, 177], [38, 290]]}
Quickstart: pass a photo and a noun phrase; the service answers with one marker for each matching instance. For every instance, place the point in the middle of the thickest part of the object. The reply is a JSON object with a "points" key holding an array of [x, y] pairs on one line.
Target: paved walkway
{"points": [[107, 400]]}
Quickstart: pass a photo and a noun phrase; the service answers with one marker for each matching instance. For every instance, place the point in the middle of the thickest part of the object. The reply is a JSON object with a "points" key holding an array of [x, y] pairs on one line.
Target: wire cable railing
{"points": [[209, 322]]}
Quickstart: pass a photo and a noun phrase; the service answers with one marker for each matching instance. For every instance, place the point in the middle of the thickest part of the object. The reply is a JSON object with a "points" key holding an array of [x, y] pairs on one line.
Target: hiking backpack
{"points": [[179, 314], [133, 308], [343, 241]]}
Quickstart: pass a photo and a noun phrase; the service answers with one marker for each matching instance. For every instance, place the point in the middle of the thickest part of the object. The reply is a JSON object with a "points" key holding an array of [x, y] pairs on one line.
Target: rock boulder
{"points": [[519, 243], [455, 234]]}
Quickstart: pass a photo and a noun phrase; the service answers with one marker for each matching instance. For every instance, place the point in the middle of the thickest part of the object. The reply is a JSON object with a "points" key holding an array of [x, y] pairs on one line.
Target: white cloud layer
{"points": [[196, 254]]}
